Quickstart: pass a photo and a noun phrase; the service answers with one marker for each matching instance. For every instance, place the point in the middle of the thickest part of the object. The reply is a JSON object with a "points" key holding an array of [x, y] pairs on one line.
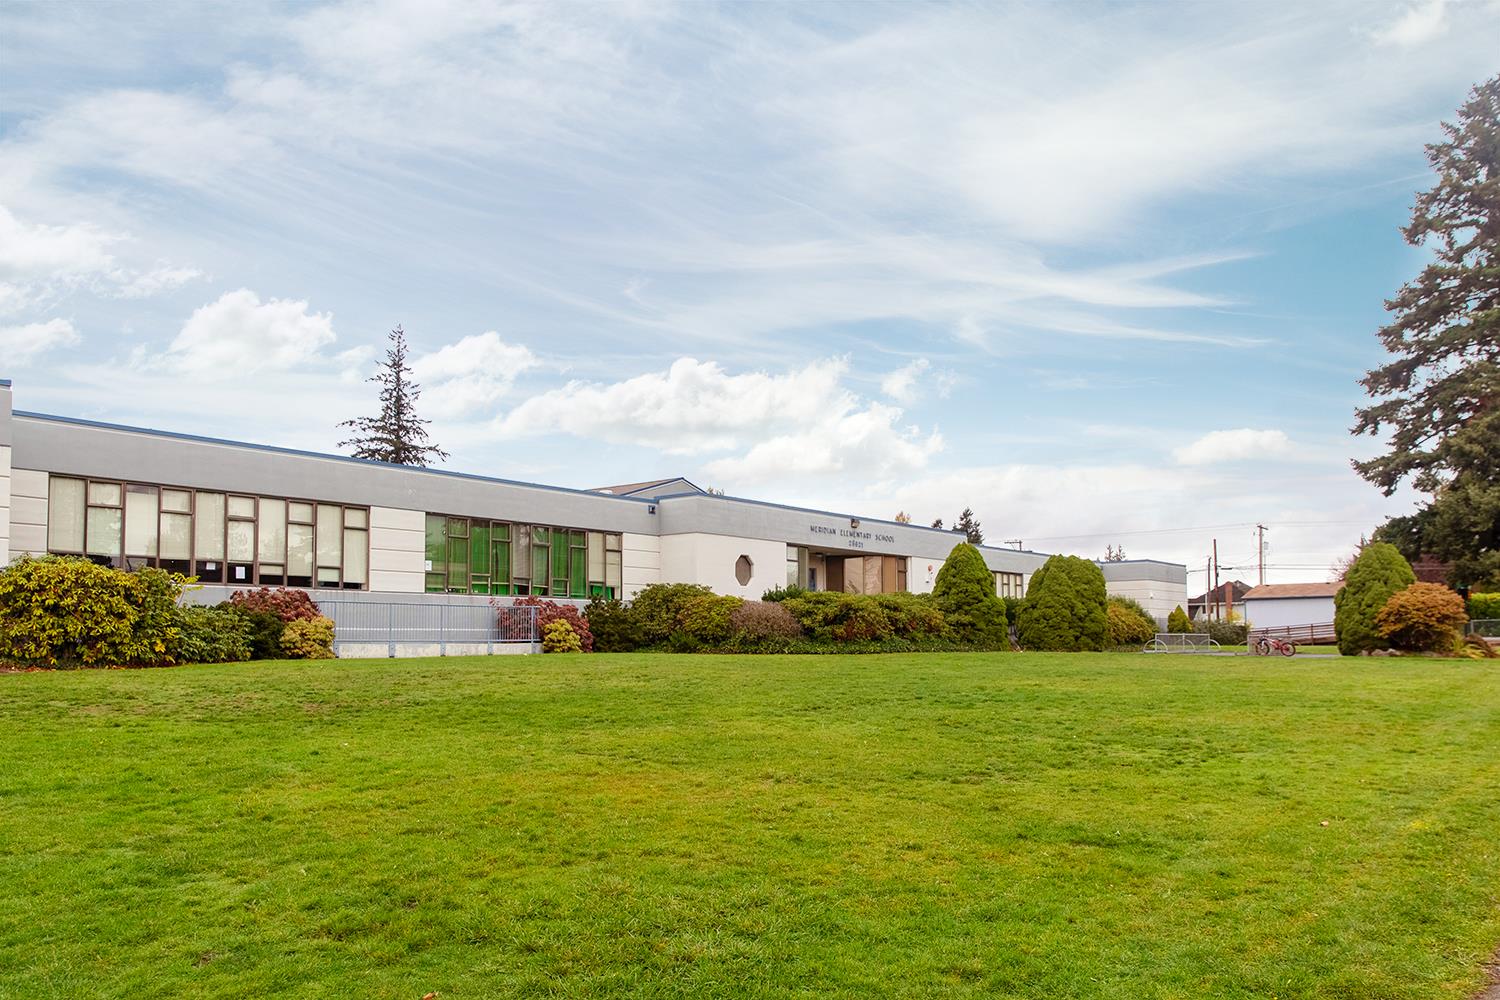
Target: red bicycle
{"points": [[1267, 645]]}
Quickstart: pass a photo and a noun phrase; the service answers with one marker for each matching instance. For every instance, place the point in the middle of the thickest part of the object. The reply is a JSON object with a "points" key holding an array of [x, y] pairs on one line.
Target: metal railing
{"points": [[429, 623], [1487, 627], [1181, 642]]}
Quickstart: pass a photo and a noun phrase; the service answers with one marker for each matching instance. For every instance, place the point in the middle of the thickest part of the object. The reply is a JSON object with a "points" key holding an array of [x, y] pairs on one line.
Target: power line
{"points": [[1200, 527]]}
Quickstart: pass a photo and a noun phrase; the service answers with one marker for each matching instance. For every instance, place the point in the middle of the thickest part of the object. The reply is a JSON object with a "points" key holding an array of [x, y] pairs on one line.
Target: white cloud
{"points": [[238, 334], [1420, 23], [38, 262], [801, 422], [1233, 446], [694, 406], [469, 376], [21, 344], [901, 384]]}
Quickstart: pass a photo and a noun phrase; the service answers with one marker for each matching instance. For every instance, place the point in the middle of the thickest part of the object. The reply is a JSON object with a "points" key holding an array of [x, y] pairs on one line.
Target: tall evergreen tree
{"points": [[1440, 398], [968, 526], [397, 435]]}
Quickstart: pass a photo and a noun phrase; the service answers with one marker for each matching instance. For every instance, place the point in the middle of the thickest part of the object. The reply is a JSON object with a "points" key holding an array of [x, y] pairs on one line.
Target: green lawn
{"points": [[954, 825]]}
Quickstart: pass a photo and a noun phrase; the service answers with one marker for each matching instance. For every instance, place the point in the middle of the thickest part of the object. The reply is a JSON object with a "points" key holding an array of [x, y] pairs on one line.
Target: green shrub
{"points": [[262, 628], [761, 621], [66, 612], [613, 626], [1178, 621], [308, 639], [1484, 606], [559, 637], [706, 618], [965, 592], [288, 604], [913, 616], [1223, 632], [778, 594], [1013, 607], [825, 615], [211, 635], [657, 607], [1378, 572], [1126, 622], [1423, 618], [1064, 610]]}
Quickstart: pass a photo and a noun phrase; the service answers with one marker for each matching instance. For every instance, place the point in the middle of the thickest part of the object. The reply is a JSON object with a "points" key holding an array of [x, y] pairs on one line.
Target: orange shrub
{"points": [[1424, 617]]}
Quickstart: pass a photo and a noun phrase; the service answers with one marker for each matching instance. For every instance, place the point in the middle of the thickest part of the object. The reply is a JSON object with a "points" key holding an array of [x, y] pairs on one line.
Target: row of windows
{"points": [[1009, 585], [217, 537], [476, 556]]}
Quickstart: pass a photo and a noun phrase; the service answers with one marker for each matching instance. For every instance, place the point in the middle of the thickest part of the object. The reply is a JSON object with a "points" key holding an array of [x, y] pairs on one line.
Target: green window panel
{"points": [[578, 578], [479, 549]]}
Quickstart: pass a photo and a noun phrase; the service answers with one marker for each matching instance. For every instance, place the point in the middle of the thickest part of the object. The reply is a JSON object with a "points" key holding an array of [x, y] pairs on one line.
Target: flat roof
{"points": [[715, 497]]}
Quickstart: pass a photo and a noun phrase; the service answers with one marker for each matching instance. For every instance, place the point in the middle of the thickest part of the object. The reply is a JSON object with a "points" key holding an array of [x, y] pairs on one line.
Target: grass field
{"points": [[965, 825]]}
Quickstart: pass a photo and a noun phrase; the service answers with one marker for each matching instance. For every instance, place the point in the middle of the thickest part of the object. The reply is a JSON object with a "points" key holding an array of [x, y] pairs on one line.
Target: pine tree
{"points": [[965, 591], [397, 435], [1439, 400], [1377, 573], [1178, 621], [1114, 553], [969, 527], [938, 524]]}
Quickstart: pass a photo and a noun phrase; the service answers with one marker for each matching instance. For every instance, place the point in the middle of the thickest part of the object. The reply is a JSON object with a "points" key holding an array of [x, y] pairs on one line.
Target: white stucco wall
{"points": [[710, 559], [397, 549], [28, 513], [640, 563], [1158, 598], [4, 504], [1274, 612]]}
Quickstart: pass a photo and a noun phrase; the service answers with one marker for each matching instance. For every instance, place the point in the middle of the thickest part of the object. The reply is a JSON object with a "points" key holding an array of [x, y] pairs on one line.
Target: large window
{"points": [[217, 537], [468, 555], [1009, 585], [796, 567]]}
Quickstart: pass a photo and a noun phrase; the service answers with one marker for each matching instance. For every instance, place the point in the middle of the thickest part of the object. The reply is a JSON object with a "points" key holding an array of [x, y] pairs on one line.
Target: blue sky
{"points": [[1105, 273]]}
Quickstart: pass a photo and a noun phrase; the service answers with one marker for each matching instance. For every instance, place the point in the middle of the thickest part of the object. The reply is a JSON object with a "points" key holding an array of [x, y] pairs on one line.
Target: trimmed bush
{"points": [[1225, 633], [705, 618], [656, 608], [1126, 623], [1483, 606], [1178, 621], [1423, 618], [613, 625], [287, 604], [760, 621], [778, 594], [1065, 607], [308, 639], [262, 628], [548, 612], [558, 636], [212, 635], [831, 616], [68, 612], [914, 616], [1378, 572], [965, 593]]}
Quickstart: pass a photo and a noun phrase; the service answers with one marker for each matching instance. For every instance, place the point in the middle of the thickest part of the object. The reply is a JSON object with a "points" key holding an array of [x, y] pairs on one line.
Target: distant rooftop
{"points": [[1266, 591]]}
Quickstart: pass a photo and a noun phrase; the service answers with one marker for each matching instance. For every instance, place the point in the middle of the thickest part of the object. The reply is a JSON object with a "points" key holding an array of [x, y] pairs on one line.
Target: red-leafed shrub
{"points": [[758, 620], [1425, 617], [288, 605], [548, 612]]}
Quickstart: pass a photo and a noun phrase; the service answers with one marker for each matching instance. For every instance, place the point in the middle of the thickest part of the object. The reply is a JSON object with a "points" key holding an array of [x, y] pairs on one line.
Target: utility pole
{"points": [[1208, 583], [1216, 579], [1260, 552]]}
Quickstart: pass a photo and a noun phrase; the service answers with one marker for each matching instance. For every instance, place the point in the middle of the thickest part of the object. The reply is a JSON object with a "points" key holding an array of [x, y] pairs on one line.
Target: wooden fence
{"points": [[1321, 634]]}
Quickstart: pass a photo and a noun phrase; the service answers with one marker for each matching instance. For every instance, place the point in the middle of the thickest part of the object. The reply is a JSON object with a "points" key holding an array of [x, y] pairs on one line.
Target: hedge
{"points": [[1484, 606]]}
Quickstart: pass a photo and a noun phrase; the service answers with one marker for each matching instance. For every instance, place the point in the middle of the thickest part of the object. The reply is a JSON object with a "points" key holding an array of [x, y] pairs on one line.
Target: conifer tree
{"points": [[968, 526], [965, 591], [397, 435], [1439, 399], [1377, 573]]}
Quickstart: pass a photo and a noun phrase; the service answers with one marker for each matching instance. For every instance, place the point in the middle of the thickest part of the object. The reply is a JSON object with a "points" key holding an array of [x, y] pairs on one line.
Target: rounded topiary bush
{"points": [[1065, 607], [1380, 571], [558, 636], [1423, 618], [308, 639], [965, 593], [1178, 620]]}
